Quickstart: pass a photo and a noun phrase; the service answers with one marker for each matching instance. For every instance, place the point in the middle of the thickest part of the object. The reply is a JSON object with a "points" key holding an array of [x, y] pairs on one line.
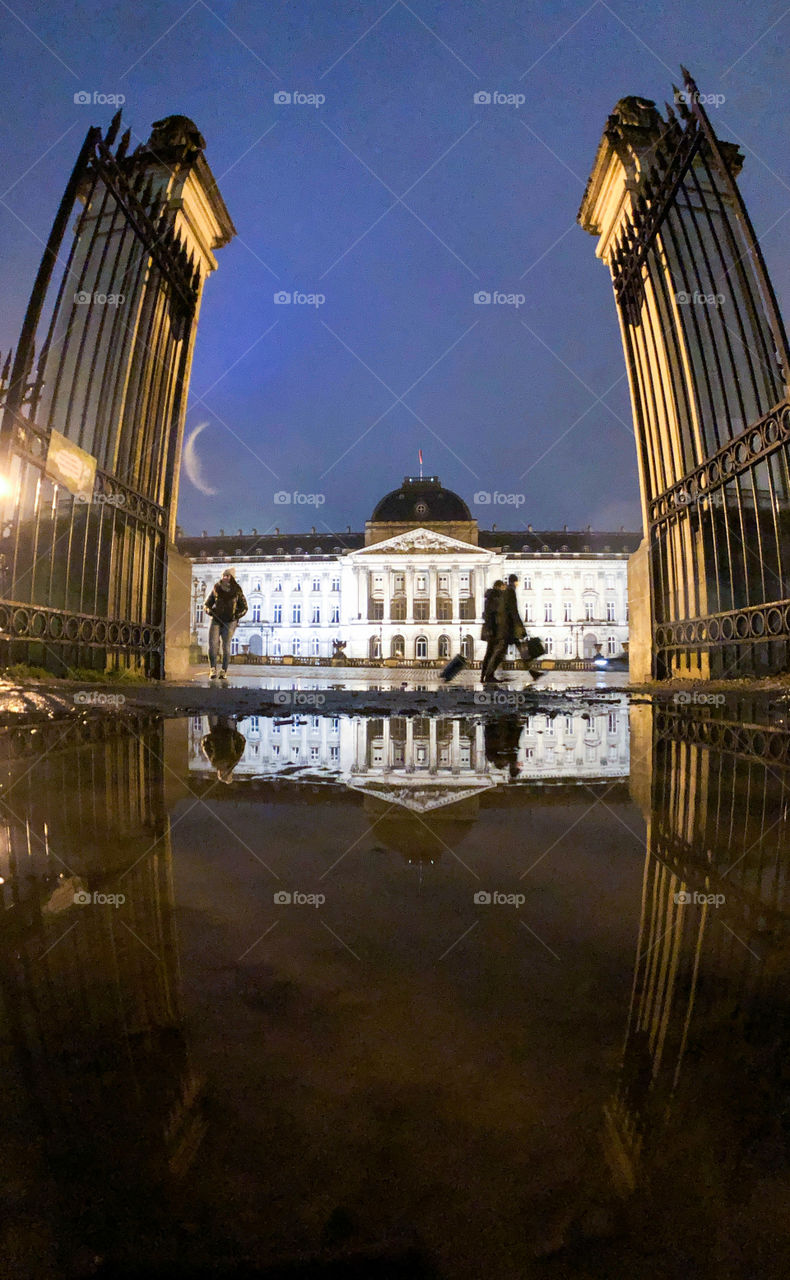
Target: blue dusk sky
{"points": [[391, 197]]}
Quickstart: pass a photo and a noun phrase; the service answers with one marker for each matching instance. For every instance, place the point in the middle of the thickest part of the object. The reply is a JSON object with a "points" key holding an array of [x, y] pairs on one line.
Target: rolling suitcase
{"points": [[455, 665]]}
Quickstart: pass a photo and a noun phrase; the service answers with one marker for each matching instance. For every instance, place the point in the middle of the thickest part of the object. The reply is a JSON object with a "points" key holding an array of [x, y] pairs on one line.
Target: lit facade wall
{"points": [[397, 600]]}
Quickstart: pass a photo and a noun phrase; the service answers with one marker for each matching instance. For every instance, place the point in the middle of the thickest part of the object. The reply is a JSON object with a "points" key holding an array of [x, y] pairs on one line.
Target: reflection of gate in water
{"points": [[707, 359], [91, 437]]}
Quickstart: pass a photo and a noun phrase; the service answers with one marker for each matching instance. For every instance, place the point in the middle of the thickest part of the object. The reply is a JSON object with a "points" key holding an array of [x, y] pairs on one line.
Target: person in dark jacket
{"points": [[488, 631], [225, 606], [223, 746], [508, 626]]}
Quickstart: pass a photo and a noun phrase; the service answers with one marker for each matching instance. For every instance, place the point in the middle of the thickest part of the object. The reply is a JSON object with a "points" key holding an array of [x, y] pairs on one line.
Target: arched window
{"points": [[468, 648], [421, 647], [398, 647], [444, 646], [234, 645], [374, 647]]}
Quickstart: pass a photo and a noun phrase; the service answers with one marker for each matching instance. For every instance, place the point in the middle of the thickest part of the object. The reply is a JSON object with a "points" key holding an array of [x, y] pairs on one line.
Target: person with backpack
{"points": [[491, 613], [225, 606]]}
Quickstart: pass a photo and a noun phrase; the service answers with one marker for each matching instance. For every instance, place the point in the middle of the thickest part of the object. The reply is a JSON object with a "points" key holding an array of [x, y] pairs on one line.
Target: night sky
{"points": [[397, 199]]}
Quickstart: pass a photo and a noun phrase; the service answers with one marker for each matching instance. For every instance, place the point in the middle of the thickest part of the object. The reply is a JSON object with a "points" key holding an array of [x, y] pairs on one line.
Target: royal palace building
{"points": [[411, 586]]}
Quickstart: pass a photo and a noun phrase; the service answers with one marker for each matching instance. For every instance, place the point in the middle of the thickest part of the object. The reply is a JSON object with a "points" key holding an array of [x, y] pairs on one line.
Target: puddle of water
{"points": [[497, 997]]}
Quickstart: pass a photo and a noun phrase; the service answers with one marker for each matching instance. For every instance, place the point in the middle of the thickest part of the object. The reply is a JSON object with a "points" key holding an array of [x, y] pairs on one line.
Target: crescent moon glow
{"points": [[192, 461]]}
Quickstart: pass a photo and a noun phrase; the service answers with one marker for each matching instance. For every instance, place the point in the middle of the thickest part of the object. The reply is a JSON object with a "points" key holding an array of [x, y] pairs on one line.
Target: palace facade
{"points": [[411, 586]]}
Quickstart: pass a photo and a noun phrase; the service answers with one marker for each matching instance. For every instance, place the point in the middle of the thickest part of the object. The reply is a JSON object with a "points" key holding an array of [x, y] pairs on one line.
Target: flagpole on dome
{"points": [[420, 452]]}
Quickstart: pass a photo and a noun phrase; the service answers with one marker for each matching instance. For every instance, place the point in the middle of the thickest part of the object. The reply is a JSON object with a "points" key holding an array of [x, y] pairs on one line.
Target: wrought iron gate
{"points": [[708, 364], [89, 435]]}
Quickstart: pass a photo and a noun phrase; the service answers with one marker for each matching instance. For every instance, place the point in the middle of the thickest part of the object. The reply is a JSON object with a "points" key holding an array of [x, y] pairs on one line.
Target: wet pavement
{"points": [[468, 995]]}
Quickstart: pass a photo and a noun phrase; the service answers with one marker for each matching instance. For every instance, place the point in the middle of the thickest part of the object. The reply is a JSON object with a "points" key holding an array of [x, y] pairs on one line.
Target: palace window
{"points": [[315, 647], [529, 613], [527, 581], [277, 612], [613, 720], [234, 645], [398, 647], [610, 582], [444, 646], [398, 610], [198, 613], [421, 647], [611, 645], [278, 584], [610, 608], [335, 584], [296, 614], [444, 584], [398, 584], [335, 616], [256, 611], [375, 610], [548, 612], [589, 610], [421, 608], [316, 584], [421, 583], [567, 611], [444, 610], [463, 583], [277, 647], [296, 646], [314, 753], [549, 643], [468, 648], [297, 586], [569, 646], [316, 614], [467, 609]]}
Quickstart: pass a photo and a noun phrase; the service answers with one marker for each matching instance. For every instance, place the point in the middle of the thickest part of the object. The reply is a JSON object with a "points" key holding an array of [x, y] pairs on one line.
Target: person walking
{"points": [[489, 628], [509, 627], [223, 746], [225, 606]]}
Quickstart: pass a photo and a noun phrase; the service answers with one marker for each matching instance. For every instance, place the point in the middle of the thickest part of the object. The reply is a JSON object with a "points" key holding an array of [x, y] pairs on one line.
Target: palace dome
{"points": [[421, 501]]}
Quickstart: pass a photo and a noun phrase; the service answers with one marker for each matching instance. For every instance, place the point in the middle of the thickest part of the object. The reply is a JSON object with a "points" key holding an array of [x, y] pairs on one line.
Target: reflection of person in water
{"points": [[502, 736], [223, 746]]}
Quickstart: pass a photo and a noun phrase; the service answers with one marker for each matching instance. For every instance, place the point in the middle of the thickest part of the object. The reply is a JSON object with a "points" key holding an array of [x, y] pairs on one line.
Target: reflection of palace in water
{"points": [[703, 1079], [441, 752], [96, 1062], [422, 779]]}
